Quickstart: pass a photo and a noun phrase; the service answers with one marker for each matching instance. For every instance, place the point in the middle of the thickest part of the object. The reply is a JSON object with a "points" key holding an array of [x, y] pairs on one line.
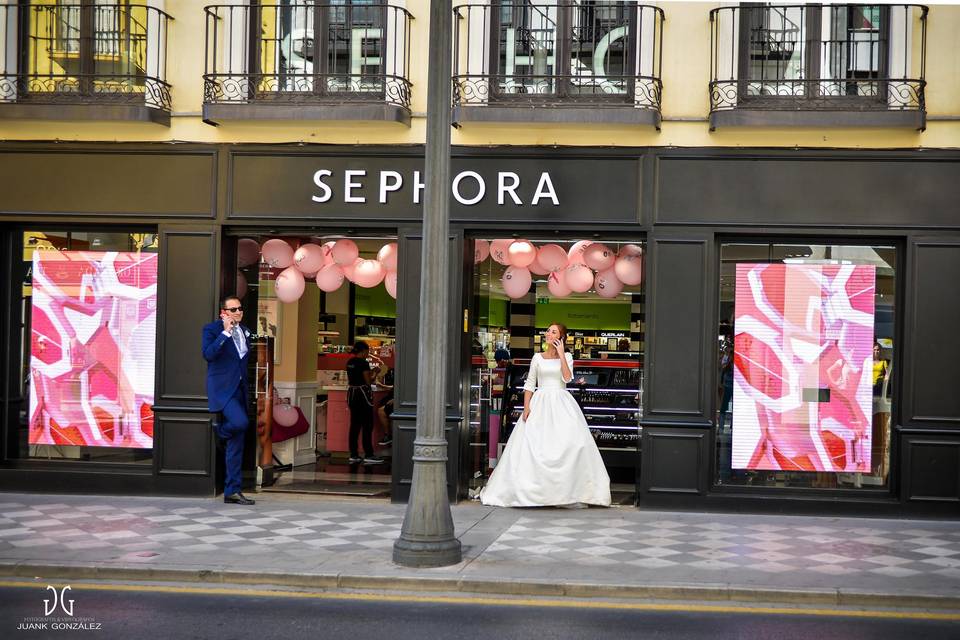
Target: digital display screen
{"points": [[92, 351], [803, 361]]}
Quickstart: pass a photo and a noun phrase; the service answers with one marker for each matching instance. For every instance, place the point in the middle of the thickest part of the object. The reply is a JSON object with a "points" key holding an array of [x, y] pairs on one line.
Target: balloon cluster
{"points": [[329, 263], [587, 264]]}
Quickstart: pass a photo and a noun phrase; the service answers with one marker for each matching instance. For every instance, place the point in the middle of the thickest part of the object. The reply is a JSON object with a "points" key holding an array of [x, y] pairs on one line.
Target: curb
{"points": [[719, 593]]}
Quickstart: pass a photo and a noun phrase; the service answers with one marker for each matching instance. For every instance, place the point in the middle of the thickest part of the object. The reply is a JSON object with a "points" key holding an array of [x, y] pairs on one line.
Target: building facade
{"points": [[766, 161]]}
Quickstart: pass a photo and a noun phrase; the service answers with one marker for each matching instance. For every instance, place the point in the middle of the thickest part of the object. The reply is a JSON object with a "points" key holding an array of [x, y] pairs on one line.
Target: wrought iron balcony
{"points": [[311, 60], [84, 61], [840, 64], [575, 61]]}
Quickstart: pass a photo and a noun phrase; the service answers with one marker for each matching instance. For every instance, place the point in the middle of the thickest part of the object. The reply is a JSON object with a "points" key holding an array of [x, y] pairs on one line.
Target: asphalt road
{"points": [[195, 611]]}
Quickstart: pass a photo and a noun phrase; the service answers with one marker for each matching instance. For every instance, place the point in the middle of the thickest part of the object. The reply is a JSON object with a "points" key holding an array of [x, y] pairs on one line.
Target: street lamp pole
{"points": [[427, 536]]}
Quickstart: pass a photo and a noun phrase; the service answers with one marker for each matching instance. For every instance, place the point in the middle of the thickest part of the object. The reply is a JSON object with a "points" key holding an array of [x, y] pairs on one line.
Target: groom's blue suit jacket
{"points": [[226, 370]]}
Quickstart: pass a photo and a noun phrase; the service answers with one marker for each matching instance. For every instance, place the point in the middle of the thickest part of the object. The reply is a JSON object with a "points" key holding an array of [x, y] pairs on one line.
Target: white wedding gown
{"points": [[551, 458]]}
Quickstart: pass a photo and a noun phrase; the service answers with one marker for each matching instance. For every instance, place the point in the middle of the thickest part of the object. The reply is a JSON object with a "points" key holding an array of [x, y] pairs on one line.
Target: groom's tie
{"points": [[235, 333]]}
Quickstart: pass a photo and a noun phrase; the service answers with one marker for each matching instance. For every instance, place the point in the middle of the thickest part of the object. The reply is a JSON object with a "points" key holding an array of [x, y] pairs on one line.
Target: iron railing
{"points": [[60, 54], [570, 54], [309, 52], [849, 57]]}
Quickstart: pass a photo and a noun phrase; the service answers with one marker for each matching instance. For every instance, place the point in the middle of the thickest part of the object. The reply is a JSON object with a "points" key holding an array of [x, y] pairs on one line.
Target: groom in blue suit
{"points": [[226, 347]]}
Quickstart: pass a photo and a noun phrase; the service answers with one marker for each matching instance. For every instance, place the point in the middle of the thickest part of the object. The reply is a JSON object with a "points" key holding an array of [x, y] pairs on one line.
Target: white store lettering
{"points": [[468, 188], [481, 187]]}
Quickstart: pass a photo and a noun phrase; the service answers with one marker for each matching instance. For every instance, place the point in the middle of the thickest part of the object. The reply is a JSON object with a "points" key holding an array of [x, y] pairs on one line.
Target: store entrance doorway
{"points": [[312, 300], [595, 288]]}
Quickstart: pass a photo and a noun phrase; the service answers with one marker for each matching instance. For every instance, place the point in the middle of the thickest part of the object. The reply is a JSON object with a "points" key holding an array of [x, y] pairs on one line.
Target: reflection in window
{"points": [[805, 346]]}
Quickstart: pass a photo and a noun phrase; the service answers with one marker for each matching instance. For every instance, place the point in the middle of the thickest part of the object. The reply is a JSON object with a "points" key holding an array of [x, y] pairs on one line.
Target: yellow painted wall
{"points": [[685, 101]]}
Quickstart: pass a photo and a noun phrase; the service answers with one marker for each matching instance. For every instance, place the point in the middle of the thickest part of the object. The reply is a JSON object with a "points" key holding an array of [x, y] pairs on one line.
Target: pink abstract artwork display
{"points": [[93, 343], [802, 396]]}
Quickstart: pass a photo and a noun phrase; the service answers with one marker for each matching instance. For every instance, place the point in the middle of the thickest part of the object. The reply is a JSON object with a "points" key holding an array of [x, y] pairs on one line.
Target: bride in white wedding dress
{"points": [[550, 458]]}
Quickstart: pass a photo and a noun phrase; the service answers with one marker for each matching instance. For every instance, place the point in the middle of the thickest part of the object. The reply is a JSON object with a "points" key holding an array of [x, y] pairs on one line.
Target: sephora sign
{"points": [[496, 187], [469, 187]]}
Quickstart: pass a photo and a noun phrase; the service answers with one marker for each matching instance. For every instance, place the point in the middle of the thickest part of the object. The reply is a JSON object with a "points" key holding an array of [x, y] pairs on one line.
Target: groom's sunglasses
{"points": [[233, 309]]}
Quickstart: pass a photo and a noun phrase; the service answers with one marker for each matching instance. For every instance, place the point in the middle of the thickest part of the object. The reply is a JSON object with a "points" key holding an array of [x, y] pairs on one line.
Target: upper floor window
{"points": [[837, 57], [557, 54], [306, 52], [69, 52]]}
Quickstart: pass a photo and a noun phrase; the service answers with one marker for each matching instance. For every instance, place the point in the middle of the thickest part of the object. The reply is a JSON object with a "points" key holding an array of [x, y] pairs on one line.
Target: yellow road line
{"points": [[510, 602]]}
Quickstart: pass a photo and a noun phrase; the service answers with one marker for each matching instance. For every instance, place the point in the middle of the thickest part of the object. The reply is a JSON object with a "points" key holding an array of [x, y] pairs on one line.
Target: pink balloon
{"points": [[277, 253], [308, 258], [578, 277], [598, 257], [607, 285], [516, 282], [537, 268], [289, 285], [629, 268], [499, 250], [285, 415], [327, 248], [330, 278], [557, 286], [368, 273], [521, 253], [241, 288], [390, 282], [248, 252], [388, 256], [575, 254], [345, 251], [552, 257], [349, 269], [481, 249], [630, 249]]}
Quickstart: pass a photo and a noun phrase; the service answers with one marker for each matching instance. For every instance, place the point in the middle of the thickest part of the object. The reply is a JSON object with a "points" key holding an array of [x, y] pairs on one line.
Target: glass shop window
{"points": [[806, 348], [88, 325]]}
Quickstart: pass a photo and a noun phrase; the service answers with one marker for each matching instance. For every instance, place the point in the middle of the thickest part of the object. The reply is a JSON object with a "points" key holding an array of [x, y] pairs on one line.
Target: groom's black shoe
{"points": [[238, 498]]}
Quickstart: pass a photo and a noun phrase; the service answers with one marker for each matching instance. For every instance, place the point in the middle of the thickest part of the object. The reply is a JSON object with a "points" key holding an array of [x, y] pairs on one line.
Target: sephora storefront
{"points": [[780, 339]]}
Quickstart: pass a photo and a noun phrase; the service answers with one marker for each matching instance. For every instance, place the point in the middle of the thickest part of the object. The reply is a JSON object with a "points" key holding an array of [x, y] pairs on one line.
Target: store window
{"points": [[806, 349], [89, 316], [595, 288]]}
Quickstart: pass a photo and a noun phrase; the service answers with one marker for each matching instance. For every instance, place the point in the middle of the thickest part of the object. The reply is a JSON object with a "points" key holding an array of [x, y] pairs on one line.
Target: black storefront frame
{"points": [[51, 474], [563, 233], [886, 495], [911, 196]]}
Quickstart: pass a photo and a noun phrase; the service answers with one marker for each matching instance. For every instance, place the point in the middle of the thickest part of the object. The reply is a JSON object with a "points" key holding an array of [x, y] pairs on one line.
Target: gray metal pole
{"points": [[427, 537]]}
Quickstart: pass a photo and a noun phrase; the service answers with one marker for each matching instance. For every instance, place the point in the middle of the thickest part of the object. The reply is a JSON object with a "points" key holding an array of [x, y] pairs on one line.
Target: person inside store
{"points": [[502, 356], [226, 347], [385, 407], [360, 376], [551, 458]]}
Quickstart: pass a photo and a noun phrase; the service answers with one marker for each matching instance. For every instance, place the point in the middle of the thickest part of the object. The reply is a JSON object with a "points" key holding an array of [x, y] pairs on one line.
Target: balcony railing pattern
{"points": [[310, 52], [848, 57], [590, 54], [60, 54]]}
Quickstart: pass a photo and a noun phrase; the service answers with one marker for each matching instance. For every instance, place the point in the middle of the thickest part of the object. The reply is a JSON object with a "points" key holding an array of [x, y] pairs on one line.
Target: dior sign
{"points": [[468, 187]]}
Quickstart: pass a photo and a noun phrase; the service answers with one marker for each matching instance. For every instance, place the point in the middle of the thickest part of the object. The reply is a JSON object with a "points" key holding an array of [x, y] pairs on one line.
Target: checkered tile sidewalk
{"points": [[872, 547], [614, 546], [129, 528]]}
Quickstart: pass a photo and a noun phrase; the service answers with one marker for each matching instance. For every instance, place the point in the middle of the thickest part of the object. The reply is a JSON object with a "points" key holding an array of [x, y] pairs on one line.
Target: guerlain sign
{"points": [[499, 187]]}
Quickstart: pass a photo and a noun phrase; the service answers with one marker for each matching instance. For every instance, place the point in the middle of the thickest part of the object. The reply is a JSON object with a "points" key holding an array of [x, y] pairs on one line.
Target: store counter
{"points": [[338, 418]]}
